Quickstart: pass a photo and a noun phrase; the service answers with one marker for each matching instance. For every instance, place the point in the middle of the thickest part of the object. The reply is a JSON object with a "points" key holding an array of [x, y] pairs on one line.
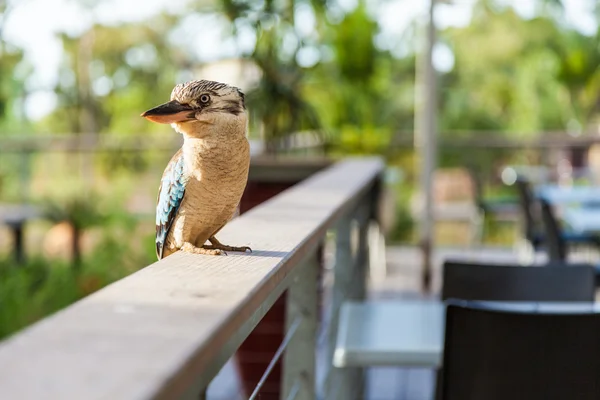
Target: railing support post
{"points": [[341, 285], [299, 362], [349, 283]]}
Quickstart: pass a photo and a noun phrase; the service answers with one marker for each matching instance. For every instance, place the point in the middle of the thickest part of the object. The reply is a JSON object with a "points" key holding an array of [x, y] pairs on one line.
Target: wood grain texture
{"points": [[152, 334]]}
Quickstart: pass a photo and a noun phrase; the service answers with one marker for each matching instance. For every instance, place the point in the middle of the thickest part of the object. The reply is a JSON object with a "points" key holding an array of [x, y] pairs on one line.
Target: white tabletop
{"points": [[555, 194], [407, 333], [410, 333], [18, 213], [582, 220]]}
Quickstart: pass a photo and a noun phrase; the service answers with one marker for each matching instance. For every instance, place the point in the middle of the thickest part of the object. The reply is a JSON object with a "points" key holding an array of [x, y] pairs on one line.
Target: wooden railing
{"points": [[164, 332]]}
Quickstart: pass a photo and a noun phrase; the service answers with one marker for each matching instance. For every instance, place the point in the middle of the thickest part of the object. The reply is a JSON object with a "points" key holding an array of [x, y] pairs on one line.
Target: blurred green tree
{"points": [[109, 73], [14, 71], [579, 73], [488, 89], [277, 105], [363, 94], [81, 212], [520, 75]]}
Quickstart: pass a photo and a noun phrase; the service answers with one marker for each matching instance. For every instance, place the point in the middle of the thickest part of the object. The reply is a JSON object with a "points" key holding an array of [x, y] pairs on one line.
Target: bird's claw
{"points": [[215, 244], [241, 249], [190, 248], [225, 249]]}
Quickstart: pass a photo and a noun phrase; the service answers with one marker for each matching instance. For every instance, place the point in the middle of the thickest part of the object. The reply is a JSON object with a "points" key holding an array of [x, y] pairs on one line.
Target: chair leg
{"points": [[477, 229], [437, 394]]}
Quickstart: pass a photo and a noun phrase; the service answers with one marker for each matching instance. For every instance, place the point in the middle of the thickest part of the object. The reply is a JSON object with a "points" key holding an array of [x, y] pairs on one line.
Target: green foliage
{"points": [[579, 72], [80, 210], [110, 74], [31, 292], [403, 230], [356, 54], [352, 139], [495, 92], [41, 287], [276, 102], [277, 105]]}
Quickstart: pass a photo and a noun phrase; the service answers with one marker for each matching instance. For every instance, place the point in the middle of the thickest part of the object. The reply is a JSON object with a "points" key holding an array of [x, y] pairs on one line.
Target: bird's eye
{"points": [[205, 98]]}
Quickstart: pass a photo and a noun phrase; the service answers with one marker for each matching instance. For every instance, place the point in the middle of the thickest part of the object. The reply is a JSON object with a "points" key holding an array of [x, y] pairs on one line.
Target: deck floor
{"points": [[402, 280]]}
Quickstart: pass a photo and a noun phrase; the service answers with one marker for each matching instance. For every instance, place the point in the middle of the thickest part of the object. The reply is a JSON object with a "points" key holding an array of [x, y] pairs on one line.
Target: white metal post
{"points": [[425, 142], [350, 275], [299, 360]]}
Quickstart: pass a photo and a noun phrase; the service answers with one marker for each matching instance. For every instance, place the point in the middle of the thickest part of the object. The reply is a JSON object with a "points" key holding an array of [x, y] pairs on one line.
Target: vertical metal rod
{"points": [[294, 391], [425, 141], [292, 329], [299, 360]]}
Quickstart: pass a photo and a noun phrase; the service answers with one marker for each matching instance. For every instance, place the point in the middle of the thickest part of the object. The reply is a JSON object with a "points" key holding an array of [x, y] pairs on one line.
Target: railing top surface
{"points": [[153, 333]]}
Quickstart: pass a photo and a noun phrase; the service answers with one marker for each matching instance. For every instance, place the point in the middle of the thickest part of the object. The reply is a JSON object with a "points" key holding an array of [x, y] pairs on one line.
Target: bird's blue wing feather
{"points": [[170, 196]]}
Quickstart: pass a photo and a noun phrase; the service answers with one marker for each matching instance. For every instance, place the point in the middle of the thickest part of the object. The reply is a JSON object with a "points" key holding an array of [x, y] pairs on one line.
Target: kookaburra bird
{"points": [[201, 187]]}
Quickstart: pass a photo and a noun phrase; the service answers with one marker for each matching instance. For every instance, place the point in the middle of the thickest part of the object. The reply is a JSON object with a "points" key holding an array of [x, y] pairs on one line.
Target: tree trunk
{"points": [[76, 248]]}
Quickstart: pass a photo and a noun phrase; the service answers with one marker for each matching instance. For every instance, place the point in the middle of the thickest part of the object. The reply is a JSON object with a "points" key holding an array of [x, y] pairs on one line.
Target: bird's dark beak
{"points": [[170, 112]]}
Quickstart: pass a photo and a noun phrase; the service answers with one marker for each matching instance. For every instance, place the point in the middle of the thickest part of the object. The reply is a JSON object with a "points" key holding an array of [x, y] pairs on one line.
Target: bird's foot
{"points": [[216, 245], [190, 248]]}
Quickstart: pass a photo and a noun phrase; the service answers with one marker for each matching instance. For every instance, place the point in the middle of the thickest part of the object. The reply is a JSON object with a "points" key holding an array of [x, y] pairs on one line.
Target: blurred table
{"points": [[536, 174], [406, 333], [560, 195], [15, 216], [410, 333], [582, 220]]}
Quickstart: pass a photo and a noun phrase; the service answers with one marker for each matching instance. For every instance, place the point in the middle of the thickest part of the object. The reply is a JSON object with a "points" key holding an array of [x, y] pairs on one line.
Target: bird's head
{"points": [[196, 104]]}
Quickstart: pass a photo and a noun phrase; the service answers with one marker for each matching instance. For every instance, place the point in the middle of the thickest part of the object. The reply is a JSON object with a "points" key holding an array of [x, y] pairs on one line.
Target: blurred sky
{"points": [[34, 24]]}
